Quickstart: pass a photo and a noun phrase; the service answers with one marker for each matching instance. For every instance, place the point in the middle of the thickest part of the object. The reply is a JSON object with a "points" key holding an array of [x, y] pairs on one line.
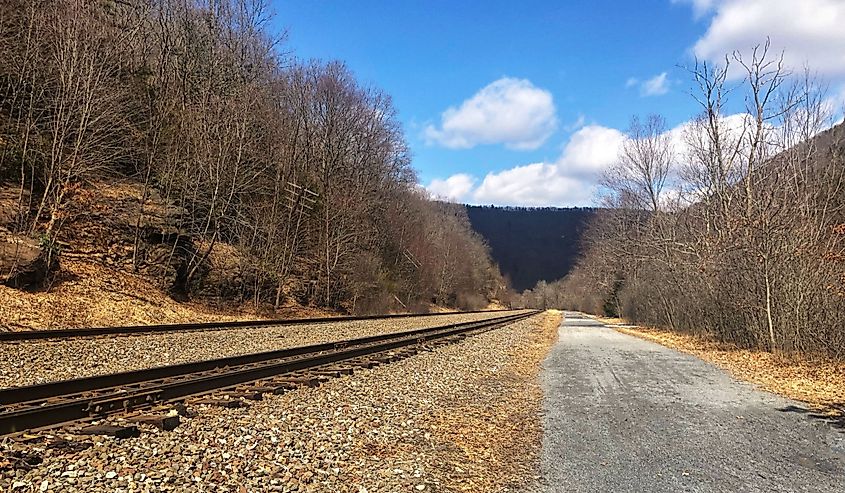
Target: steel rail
{"points": [[54, 403], [42, 334]]}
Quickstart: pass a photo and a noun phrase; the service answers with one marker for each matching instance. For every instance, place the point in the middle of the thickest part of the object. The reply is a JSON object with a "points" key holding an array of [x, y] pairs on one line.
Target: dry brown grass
{"points": [[817, 381], [89, 295], [499, 442]]}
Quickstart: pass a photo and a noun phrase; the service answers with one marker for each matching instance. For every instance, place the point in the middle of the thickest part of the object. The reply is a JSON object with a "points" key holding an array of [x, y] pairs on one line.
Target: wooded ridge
{"points": [[179, 140], [531, 244]]}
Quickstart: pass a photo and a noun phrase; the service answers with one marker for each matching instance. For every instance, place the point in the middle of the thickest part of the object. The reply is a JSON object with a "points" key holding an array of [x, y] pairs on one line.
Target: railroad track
{"points": [[157, 390], [33, 335]]}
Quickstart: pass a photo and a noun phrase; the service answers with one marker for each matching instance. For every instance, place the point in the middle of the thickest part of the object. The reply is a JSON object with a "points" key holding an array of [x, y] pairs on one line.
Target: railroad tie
{"points": [[110, 430], [252, 396], [300, 380], [333, 372], [365, 363], [286, 386], [326, 373], [227, 403], [166, 422], [269, 388]]}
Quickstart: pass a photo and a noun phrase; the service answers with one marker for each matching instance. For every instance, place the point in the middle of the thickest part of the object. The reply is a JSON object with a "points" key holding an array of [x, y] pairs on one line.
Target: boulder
{"points": [[23, 262]]}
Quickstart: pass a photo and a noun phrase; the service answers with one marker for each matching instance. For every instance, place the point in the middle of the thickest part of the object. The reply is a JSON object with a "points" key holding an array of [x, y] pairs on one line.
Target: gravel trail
{"points": [[623, 414], [33, 362], [464, 417]]}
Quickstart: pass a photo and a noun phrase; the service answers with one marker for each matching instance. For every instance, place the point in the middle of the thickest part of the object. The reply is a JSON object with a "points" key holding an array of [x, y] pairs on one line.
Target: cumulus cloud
{"points": [[455, 188], [807, 31], [590, 150], [538, 184], [571, 180], [508, 111]]}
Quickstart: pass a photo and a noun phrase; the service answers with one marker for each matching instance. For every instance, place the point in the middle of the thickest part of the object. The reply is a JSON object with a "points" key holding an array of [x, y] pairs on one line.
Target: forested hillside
{"points": [[738, 231], [531, 244], [182, 141]]}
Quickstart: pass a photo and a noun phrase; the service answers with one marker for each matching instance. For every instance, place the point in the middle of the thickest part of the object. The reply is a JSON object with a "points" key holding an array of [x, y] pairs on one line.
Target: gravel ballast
{"points": [[464, 417], [34, 362]]}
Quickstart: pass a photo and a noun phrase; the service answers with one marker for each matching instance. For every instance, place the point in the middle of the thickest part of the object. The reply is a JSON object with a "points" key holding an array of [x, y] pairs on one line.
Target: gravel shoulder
{"points": [[623, 414], [33, 362], [464, 417]]}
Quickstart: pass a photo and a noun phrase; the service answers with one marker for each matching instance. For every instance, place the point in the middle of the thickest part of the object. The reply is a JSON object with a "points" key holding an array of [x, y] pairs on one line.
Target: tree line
{"points": [[297, 165], [733, 228]]}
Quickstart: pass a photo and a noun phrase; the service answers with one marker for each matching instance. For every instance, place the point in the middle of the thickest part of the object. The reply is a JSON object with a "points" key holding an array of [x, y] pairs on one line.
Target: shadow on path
{"points": [[836, 418]]}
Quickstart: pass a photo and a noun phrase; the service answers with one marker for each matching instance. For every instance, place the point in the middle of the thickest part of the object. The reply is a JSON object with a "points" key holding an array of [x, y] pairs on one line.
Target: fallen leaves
{"points": [[90, 294]]}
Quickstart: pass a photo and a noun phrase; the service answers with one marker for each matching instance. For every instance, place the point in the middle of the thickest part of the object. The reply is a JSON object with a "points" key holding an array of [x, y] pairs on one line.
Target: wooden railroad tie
{"points": [[252, 396], [161, 421], [268, 388], [227, 403], [110, 430], [298, 380]]}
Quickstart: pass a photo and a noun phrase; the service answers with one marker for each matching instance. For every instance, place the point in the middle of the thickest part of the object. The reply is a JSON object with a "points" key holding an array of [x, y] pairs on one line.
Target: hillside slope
{"points": [[531, 244]]}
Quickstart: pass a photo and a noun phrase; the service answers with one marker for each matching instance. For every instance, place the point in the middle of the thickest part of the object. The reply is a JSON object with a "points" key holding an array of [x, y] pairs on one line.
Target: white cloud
{"points": [[655, 86], [835, 105], [589, 151], [508, 111], [571, 180], [538, 184], [455, 188], [807, 31]]}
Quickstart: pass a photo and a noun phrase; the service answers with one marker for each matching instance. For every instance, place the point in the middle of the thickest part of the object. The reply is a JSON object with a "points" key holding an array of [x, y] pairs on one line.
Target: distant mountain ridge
{"points": [[531, 244]]}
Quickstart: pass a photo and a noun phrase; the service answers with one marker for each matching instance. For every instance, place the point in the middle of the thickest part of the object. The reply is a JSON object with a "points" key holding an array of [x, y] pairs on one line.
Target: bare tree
{"points": [[638, 178]]}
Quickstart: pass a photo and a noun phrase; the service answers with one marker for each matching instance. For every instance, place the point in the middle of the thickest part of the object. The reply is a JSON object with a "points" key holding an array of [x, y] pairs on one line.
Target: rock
{"points": [[104, 219], [23, 262]]}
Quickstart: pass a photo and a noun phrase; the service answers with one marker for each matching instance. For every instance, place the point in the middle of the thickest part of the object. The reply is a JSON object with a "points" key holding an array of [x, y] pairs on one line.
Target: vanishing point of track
{"points": [[56, 403]]}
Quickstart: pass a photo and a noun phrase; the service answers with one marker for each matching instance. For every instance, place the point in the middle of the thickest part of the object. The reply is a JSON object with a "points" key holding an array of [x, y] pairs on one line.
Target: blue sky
{"points": [[523, 103]]}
